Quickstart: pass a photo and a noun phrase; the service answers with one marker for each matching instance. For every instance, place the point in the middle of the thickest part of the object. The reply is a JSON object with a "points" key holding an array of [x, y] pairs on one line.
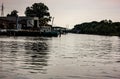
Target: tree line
{"points": [[104, 27]]}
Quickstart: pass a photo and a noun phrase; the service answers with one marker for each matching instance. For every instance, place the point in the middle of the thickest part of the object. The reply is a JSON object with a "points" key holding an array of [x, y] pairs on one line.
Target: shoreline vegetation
{"points": [[104, 27]]}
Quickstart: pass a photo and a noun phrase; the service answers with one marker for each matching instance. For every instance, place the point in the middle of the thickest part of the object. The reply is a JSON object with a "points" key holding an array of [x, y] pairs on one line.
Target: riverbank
{"points": [[27, 33], [104, 27]]}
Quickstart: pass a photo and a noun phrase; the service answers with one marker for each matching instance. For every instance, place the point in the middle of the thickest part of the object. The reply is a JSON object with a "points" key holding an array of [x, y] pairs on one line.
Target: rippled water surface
{"points": [[70, 56]]}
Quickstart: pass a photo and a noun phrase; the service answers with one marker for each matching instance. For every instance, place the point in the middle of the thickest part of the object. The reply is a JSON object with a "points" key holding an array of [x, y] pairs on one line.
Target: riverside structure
{"points": [[24, 26]]}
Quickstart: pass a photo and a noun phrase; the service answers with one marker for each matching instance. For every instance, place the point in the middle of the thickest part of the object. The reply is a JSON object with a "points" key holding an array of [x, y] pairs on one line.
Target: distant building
{"points": [[21, 22], [61, 30]]}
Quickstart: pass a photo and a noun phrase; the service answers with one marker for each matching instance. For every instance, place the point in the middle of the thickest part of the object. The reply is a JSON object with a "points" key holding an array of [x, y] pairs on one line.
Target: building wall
{"points": [[22, 22]]}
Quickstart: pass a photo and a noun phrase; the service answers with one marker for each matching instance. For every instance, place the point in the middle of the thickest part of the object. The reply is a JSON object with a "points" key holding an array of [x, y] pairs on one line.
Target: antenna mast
{"points": [[2, 10]]}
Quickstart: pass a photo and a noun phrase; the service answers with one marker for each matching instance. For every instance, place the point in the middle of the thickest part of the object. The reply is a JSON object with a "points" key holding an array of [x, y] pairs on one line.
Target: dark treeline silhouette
{"points": [[104, 27], [13, 13]]}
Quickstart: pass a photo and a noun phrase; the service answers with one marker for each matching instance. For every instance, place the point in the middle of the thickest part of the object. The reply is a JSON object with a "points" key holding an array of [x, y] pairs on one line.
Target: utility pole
{"points": [[2, 10], [52, 21]]}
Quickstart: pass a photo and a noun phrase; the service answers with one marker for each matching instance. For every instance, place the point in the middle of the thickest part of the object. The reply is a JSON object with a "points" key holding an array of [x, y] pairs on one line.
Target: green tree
{"points": [[13, 13], [39, 10]]}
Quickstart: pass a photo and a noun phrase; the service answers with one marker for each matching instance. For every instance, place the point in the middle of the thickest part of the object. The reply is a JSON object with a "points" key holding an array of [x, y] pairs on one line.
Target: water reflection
{"points": [[35, 46], [37, 56], [19, 56]]}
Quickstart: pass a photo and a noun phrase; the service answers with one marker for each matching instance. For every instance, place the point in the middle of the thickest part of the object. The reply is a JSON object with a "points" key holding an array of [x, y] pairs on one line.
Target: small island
{"points": [[104, 27]]}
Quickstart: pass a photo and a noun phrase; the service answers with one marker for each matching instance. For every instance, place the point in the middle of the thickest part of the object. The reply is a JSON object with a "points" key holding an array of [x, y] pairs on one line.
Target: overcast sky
{"points": [[71, 12]]}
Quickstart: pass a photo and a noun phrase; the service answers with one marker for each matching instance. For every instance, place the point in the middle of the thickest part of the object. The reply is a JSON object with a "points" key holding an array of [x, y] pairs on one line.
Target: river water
{"points": [[71, 56]]}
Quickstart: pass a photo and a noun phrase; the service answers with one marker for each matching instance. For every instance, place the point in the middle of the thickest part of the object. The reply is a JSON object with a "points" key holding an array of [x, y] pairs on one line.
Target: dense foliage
{"points": [[13, 13], [104, 27], [39, 10]]}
